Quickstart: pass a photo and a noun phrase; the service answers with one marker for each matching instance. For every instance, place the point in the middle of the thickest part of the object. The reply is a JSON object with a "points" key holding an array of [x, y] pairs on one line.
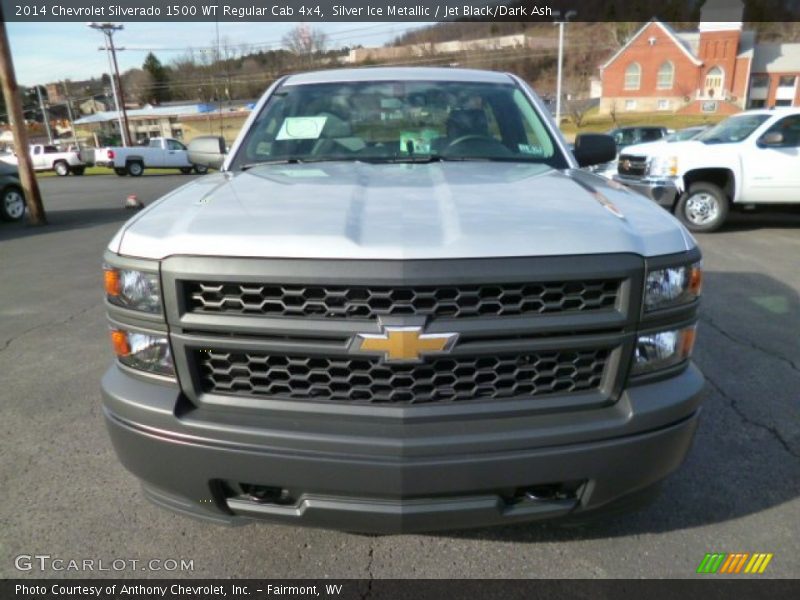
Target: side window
{"points": [[37, 150], [789, 128], [173, 145], [626, 137], [154, 143], [539, 142], [649, 135]]}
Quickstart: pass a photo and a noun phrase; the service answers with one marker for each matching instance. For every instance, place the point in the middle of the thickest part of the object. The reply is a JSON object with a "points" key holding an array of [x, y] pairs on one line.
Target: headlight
{"points": [[136, 290], [143, 351], [673, 286], [655, 351], [663, 166]]}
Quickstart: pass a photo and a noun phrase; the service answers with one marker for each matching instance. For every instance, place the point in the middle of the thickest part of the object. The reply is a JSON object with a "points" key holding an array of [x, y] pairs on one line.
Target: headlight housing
{"points": [[673, 286], [132, 289], [661, 350], [143, 351], [663, 166]]}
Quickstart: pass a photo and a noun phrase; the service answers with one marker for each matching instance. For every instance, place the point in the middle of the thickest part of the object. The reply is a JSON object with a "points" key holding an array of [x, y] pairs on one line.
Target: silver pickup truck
{"points": [[401, 305]]}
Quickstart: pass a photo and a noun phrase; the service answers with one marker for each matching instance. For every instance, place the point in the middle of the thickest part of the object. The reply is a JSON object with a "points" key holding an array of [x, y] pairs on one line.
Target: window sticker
{"points": [[531, 149], [301, 128]]}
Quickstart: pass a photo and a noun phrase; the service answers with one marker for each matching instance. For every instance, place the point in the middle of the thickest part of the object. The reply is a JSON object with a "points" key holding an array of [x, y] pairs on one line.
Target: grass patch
{"points": [[106, 171]]}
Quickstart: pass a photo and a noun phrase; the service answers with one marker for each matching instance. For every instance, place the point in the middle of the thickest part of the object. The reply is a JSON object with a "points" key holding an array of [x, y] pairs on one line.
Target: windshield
{"points": [[398, 121], [684, 134], [635, 135], [732, 129]]}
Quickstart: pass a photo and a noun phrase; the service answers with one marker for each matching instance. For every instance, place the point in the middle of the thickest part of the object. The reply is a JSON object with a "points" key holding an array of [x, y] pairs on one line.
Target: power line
{"points": [[272, 43]]}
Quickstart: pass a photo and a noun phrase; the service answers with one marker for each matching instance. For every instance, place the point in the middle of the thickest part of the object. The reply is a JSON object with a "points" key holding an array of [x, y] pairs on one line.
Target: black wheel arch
{"points": [[723, 178]]}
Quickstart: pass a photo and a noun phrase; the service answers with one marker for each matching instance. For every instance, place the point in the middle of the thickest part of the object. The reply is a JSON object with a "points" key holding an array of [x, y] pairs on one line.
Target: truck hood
{"points": [[647, 148], [400, 211], [660, 148]]}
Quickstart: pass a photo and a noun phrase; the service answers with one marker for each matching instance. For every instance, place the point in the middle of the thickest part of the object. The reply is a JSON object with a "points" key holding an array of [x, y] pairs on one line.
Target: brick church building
{"points": [[717, 69]]}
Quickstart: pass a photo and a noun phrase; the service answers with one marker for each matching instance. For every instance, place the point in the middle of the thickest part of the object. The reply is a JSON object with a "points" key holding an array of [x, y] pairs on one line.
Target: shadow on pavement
{"points": [[764, 218], [65, 220]]}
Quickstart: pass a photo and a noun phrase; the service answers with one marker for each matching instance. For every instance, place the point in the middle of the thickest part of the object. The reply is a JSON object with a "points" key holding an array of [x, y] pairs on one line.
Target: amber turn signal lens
{"points": [[695, 280], [119, 341], [688, 337], [111, 281]]}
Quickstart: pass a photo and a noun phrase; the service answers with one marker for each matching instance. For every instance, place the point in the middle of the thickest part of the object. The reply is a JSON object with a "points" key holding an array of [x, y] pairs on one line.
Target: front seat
{"points": [[467, 121], [461, 122]]}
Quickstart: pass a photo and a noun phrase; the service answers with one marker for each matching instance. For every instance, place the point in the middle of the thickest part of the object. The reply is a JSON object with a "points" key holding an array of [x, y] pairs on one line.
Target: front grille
{"points": [[363, 380], [631, 165], [369, 303]]}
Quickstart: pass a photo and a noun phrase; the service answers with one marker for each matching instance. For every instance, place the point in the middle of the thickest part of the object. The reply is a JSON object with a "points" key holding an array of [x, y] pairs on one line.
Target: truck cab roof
{"points": [[398, 74]]}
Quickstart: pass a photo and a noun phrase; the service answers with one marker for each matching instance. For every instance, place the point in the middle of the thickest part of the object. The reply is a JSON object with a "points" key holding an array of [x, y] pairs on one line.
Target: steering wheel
{"points": [[472, 137]]}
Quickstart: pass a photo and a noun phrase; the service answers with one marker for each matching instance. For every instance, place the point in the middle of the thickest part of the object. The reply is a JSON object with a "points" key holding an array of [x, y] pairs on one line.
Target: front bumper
{"points": [[389, 476], [663, 192]]}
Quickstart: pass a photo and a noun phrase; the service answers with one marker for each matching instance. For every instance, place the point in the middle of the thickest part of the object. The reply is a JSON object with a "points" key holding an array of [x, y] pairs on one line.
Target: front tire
{"points": [[61, 168], [186, 170], [135, 169], [200, 169], [78, 170], [12, 204], [703, 208]]}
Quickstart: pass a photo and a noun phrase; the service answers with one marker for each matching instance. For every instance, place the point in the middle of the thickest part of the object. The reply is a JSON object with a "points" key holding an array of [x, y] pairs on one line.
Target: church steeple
{"points": [[721, 15]]}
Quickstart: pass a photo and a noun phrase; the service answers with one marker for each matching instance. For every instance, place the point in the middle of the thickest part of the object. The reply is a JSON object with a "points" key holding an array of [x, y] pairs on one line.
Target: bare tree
{"points": [[612, 112], [621, 31], [305, 43], [577, 109], [138, 84]]}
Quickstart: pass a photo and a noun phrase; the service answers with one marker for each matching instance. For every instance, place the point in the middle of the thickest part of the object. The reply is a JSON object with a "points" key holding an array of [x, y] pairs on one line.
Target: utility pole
{"points": [[120, 90], [561, 24], [27, 177], [108, 30], [44, 114], [70, 115], [114, 94], [216, 79]]}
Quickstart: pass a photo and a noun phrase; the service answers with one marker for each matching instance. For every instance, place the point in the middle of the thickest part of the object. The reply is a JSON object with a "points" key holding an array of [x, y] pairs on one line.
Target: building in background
{"points": [[504, 42], [718, 69], [179, 121]]}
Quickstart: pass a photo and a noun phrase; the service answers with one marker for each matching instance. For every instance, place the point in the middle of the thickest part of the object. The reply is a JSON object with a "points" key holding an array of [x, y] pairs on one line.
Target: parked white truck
{"points": [[49, 158], [159, 153], [750, 159]]}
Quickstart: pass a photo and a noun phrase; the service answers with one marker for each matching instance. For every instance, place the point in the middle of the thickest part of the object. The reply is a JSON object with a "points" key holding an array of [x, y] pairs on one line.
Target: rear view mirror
{"points": [[594, 149], [207, 151], [773, 138]]}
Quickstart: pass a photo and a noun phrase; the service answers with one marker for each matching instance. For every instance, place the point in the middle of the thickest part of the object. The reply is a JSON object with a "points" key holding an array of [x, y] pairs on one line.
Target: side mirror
{"points": [[773, 138], [594, 149], [207, 151]]}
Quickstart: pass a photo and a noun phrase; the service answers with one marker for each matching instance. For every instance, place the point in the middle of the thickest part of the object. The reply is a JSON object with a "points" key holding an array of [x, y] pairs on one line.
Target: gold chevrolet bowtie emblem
{"points": [[404, 344]]}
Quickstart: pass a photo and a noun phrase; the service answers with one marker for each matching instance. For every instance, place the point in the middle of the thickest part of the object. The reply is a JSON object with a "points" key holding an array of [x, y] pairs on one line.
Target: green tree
{"points": [[159, 79]]}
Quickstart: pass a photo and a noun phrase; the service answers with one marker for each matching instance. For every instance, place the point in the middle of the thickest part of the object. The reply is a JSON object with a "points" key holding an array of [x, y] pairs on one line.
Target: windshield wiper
{"points": [[431, 158], [263, 163], [291, 161]]}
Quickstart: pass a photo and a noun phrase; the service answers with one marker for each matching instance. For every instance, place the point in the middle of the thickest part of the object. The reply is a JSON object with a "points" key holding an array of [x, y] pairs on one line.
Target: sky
{"points": [[46, 52]]}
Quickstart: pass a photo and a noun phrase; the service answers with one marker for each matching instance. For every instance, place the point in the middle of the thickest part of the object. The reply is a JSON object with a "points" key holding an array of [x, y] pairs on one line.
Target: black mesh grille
{"points": [[631, 165], [358, 302], [367, 380]]}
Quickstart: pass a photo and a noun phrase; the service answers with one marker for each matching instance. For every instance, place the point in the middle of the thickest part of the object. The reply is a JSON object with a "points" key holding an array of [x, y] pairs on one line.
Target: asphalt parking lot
{"points": [[65, 494]]}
